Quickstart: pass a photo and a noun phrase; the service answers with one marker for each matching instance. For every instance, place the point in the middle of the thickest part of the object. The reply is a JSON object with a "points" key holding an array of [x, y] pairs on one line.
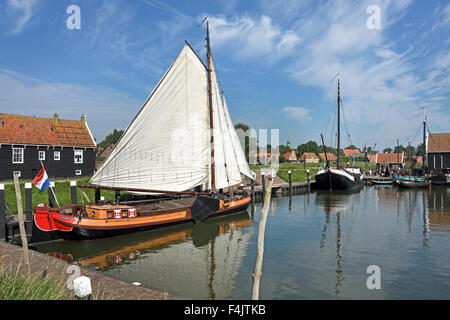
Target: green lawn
{"points": [[62, 192], [299, 170]]}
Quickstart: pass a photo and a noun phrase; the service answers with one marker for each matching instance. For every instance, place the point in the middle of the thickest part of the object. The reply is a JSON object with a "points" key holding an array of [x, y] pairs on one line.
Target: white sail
{"points": [[226, 165], [166, 146], [238, 148]]}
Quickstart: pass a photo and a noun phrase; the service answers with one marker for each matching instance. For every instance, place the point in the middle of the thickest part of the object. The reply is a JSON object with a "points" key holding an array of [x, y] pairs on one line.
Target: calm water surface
{"points": [[317, 246]]}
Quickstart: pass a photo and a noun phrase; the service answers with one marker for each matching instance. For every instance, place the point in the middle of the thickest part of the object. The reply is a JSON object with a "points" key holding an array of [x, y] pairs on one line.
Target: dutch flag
{"points": [[41, 181]]}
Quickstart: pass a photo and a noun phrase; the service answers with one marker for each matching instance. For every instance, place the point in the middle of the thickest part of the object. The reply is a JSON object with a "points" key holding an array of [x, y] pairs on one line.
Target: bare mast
{"points": [[338, 123], [211, 123]]}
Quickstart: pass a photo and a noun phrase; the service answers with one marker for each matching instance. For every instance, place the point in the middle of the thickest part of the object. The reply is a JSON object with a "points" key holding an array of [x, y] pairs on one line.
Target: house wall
{"points": [[438, 162], [65, 167]]}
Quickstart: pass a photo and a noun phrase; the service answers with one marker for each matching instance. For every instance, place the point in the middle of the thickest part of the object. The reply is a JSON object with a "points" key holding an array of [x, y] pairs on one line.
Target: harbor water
{"points": [[318, 245]]}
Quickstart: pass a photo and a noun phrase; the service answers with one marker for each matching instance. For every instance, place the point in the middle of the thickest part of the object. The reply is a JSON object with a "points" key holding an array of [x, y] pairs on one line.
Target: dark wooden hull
{"points": [[333, 181], [413, 184]]}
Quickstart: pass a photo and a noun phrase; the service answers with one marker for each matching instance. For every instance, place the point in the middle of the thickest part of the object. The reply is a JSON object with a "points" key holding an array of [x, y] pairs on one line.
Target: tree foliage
{"points": [[111, 138]]}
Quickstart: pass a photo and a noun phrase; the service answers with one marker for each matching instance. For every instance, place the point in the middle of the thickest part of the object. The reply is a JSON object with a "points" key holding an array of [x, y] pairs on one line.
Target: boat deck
{"points": [[164, 205]]}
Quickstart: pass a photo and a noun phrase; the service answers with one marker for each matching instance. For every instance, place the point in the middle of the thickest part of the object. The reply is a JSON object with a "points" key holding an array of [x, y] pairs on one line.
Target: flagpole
{"points": [[51, 188]]}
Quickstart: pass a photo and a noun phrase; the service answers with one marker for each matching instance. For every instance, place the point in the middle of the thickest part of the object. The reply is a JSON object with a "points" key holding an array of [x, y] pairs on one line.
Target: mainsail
{"points": [[167, 145]]}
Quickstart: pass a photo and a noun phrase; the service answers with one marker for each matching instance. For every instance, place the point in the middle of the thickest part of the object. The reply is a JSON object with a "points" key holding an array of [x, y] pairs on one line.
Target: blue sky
{"points": [[275, 60]]}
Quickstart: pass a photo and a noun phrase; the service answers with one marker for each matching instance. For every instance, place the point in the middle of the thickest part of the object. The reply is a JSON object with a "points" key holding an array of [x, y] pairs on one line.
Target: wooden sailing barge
{"points": [[181, 148], [338, 178]]}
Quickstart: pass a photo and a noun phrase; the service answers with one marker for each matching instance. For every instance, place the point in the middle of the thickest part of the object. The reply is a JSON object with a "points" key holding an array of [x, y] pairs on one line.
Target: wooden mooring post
{"points": [[309, 180], [23, 235], [2, 213], [290, 181], [263, 182], [51, 195], [73, 192], [29, 208], [260, 251]]}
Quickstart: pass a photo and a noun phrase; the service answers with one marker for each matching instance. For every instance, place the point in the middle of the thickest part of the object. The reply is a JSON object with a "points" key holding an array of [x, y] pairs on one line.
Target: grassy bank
{"points": [[62, 192], [299, 170], [14, 286]]}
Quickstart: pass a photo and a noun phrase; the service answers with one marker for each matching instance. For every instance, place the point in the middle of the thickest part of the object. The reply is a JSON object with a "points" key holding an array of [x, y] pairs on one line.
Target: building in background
{"points": [[438, 152], [65, 147]]}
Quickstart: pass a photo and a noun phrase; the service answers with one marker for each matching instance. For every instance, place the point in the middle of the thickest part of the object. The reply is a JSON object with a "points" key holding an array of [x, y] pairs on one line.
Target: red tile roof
{"points": [[330, 156], [18, 129], [308, 155], [349, 152], [372, 157], [389, 158], [438, 142], [287, 155]]}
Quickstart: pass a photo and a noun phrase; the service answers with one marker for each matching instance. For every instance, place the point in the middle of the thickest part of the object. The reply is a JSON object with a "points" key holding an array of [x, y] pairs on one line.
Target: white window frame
{"points": [[78, 172], [21, 153], [40, 152], [77, 153], [57, 155]]}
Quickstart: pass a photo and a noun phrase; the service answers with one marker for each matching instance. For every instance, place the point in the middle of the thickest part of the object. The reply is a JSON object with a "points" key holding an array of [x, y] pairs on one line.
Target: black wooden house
{"points": [[65, 147], [438, 152]]}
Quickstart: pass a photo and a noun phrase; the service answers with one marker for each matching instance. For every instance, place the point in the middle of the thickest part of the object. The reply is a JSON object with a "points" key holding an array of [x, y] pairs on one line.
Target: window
{"points": [[17, 155], [41, 155], [78, 172], [78, 156], [57, 155]]}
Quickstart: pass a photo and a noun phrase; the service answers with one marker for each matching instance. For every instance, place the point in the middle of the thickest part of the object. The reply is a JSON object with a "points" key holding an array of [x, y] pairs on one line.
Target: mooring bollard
{"points": [[73, 192], [28, 208], [23, 235], [309, 180], [2, 213], [51, 196]]}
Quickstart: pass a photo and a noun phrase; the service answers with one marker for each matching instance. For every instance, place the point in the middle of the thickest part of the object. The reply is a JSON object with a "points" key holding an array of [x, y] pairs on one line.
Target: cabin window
{"points": [[41, 155], [17, 155], [57, 155], [78, 172], [78, 156]]}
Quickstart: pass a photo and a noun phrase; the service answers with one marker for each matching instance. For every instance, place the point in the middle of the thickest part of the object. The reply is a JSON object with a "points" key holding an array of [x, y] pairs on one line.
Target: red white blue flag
{"points": [[41, 181]]}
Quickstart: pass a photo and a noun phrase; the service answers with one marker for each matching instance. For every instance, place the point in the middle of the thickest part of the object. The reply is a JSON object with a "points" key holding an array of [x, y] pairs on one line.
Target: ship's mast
{"points": [[211, 124], [338, 123], [424, 152]]}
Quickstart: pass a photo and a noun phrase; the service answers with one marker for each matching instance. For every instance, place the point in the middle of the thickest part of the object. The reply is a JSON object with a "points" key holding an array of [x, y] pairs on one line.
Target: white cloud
{"points": [[23, 10], [379, 84], [297, 113], [249, 38], [105, 108]]}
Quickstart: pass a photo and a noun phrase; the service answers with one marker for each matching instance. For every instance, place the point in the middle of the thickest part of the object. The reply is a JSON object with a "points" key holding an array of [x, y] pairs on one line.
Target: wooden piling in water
{"points": [[263, 181], [309, 180], [260, 250], [2, 213], [23, 235], [290, 181], [73, 192]]}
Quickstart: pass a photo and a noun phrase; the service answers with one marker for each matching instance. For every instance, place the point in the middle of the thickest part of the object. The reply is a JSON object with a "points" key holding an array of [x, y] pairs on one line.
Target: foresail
{"points": [[166, 146], [238, 147], [227, 149]]}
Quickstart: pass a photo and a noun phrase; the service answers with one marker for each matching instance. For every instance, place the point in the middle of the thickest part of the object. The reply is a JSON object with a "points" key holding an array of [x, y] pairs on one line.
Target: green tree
{"points": [[111, 138], [310, 146], [387, 150]]}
